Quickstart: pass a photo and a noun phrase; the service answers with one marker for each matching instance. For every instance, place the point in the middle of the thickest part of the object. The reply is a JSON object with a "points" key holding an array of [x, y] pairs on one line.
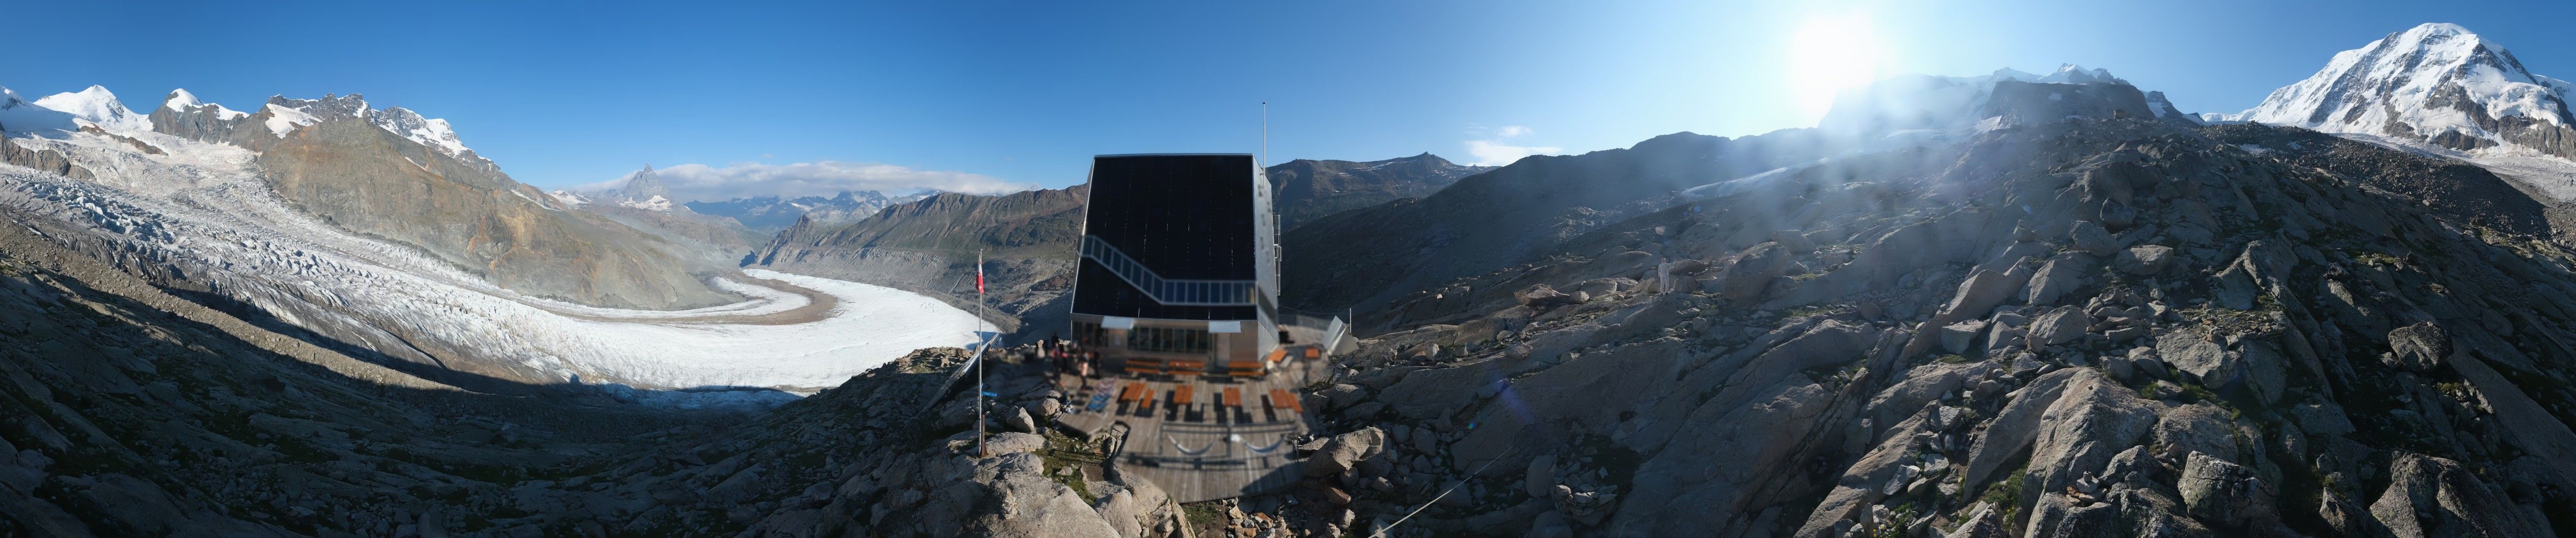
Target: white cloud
{"points": [[1496, 153], [1512, 131], [698, 182]]}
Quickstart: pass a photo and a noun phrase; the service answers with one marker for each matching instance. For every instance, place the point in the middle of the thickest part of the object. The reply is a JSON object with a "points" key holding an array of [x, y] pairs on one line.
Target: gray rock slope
{"points": [[335, 161], [2088, 322]]}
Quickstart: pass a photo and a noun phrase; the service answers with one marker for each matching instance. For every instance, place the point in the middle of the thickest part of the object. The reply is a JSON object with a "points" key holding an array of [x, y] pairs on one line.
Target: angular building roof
{"points": [[1188, 226]]}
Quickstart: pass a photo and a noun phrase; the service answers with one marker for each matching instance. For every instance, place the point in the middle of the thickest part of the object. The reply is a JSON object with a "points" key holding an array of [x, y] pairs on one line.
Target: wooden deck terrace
{"points": [[1204, 437]]}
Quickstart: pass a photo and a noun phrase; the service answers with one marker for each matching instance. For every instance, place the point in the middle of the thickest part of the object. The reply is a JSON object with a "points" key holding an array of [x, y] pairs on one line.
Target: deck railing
{"points": [[1165, 290]]}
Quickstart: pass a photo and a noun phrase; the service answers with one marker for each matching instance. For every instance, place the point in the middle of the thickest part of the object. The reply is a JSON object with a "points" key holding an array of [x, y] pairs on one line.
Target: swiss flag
{"points": [[979, 280]]}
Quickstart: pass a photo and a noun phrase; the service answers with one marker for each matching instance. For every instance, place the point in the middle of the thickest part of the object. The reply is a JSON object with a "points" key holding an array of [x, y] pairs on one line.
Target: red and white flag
{"points": [[979, 274]]}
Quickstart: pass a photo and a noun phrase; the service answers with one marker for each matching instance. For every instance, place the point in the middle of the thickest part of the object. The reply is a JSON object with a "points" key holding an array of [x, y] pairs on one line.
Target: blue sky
{"points": [[992, 93]]}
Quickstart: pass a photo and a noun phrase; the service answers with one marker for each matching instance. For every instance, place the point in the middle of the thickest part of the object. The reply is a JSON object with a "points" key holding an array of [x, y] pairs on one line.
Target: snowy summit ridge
{"points": [[2436, 82]]}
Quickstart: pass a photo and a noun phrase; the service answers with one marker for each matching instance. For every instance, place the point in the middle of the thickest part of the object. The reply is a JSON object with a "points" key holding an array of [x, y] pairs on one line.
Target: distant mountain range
{"points": [[927, 244], [2008, 304], [772, 213], [1313, 188]]}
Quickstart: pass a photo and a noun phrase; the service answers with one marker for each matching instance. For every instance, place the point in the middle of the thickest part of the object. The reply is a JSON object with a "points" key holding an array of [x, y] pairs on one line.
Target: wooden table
{"points": [[1280, 398], [1233, 397]]}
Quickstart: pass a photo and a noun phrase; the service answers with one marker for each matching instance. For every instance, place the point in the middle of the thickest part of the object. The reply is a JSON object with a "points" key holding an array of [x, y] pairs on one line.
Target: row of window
{"points": [[1167, 340]]}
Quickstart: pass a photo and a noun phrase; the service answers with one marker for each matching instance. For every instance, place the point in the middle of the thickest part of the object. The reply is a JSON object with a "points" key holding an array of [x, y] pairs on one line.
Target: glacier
{"points": [[201, 217]]}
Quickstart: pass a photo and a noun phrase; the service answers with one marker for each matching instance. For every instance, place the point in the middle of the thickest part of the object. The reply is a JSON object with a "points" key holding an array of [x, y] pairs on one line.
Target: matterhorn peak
{"points": [[644, 190]]}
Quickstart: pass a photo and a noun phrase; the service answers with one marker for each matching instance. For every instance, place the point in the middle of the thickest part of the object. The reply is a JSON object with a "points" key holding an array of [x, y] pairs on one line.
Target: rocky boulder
{"points": [[1343, 395], [1956, 337], [2433, 497], [2063, 325], [1542, 296], [2092, 238], [2094, 420], [2144, 260], [2197, 353], [1752, 273], [2217, 491], [1345, 452], [2418, 348], [2055, 281]]}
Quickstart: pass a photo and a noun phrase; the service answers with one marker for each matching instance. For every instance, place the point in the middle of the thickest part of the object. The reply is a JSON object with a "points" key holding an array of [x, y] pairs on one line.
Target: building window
{"points": [[1167, 340], [1088, 334]]}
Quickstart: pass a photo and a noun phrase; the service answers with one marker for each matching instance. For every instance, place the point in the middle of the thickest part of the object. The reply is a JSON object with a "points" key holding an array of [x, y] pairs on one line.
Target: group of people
{"points": [[1069, 357]]}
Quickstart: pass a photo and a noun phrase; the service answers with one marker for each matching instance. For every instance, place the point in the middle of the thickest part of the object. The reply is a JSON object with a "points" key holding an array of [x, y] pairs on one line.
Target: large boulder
{"points": [[2055, 281], [2197, 353], [1543, 296], [2144, 260], [1979, 294], [1540, 477], [1751, 276], [1018, 420], [1011, 442], [2433, 497], [2419, 347], [2092, 421], [2013, 428], [1956, 337], [2199, 427], [1343, 395], [1345, 452], [1011, 497], [2060, 326], [2224, 493], [1984, 521], [1123, 512], [1921, 386], [2092, 238]]}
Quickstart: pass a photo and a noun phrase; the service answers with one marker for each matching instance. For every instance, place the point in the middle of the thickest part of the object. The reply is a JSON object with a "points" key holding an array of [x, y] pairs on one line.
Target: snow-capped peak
{"points": [[282, 120], [2077, 74], [2436, 82], [430, 132], [182, 101], [97, 106]]}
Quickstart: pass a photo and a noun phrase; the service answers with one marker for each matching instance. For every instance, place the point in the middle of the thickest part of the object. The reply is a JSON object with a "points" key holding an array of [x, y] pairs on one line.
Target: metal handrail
{"points": [[1164, 290]]}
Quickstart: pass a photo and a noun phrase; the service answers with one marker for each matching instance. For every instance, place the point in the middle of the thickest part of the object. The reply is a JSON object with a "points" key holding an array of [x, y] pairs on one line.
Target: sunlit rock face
{"points": [[2067, 303]]}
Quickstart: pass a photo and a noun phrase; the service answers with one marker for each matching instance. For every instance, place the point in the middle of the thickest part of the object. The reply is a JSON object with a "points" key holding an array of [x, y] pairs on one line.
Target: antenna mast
{"points": [[1265, 133]]}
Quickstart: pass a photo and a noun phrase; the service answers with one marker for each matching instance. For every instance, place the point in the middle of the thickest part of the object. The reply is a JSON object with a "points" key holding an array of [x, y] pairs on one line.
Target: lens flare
{"points": [[1830, 54]]}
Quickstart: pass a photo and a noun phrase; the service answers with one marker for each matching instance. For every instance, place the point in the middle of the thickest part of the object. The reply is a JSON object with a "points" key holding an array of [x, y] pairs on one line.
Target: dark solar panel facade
{"points": [[1185, 217]]}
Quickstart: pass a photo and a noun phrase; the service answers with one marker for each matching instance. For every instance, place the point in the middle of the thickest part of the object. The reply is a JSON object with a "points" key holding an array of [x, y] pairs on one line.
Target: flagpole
{"points": [[979, 354]]}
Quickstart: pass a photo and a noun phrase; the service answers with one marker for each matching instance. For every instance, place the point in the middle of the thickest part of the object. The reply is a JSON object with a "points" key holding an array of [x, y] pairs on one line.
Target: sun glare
{"points": [[1832, 53]]}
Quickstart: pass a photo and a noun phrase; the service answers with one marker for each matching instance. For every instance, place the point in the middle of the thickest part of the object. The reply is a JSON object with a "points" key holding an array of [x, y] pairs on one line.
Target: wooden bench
{"points": [[1281, 398], [1243, 368], [1314, 353], [1144, 365], [1187, 366], [1182, 396]]}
